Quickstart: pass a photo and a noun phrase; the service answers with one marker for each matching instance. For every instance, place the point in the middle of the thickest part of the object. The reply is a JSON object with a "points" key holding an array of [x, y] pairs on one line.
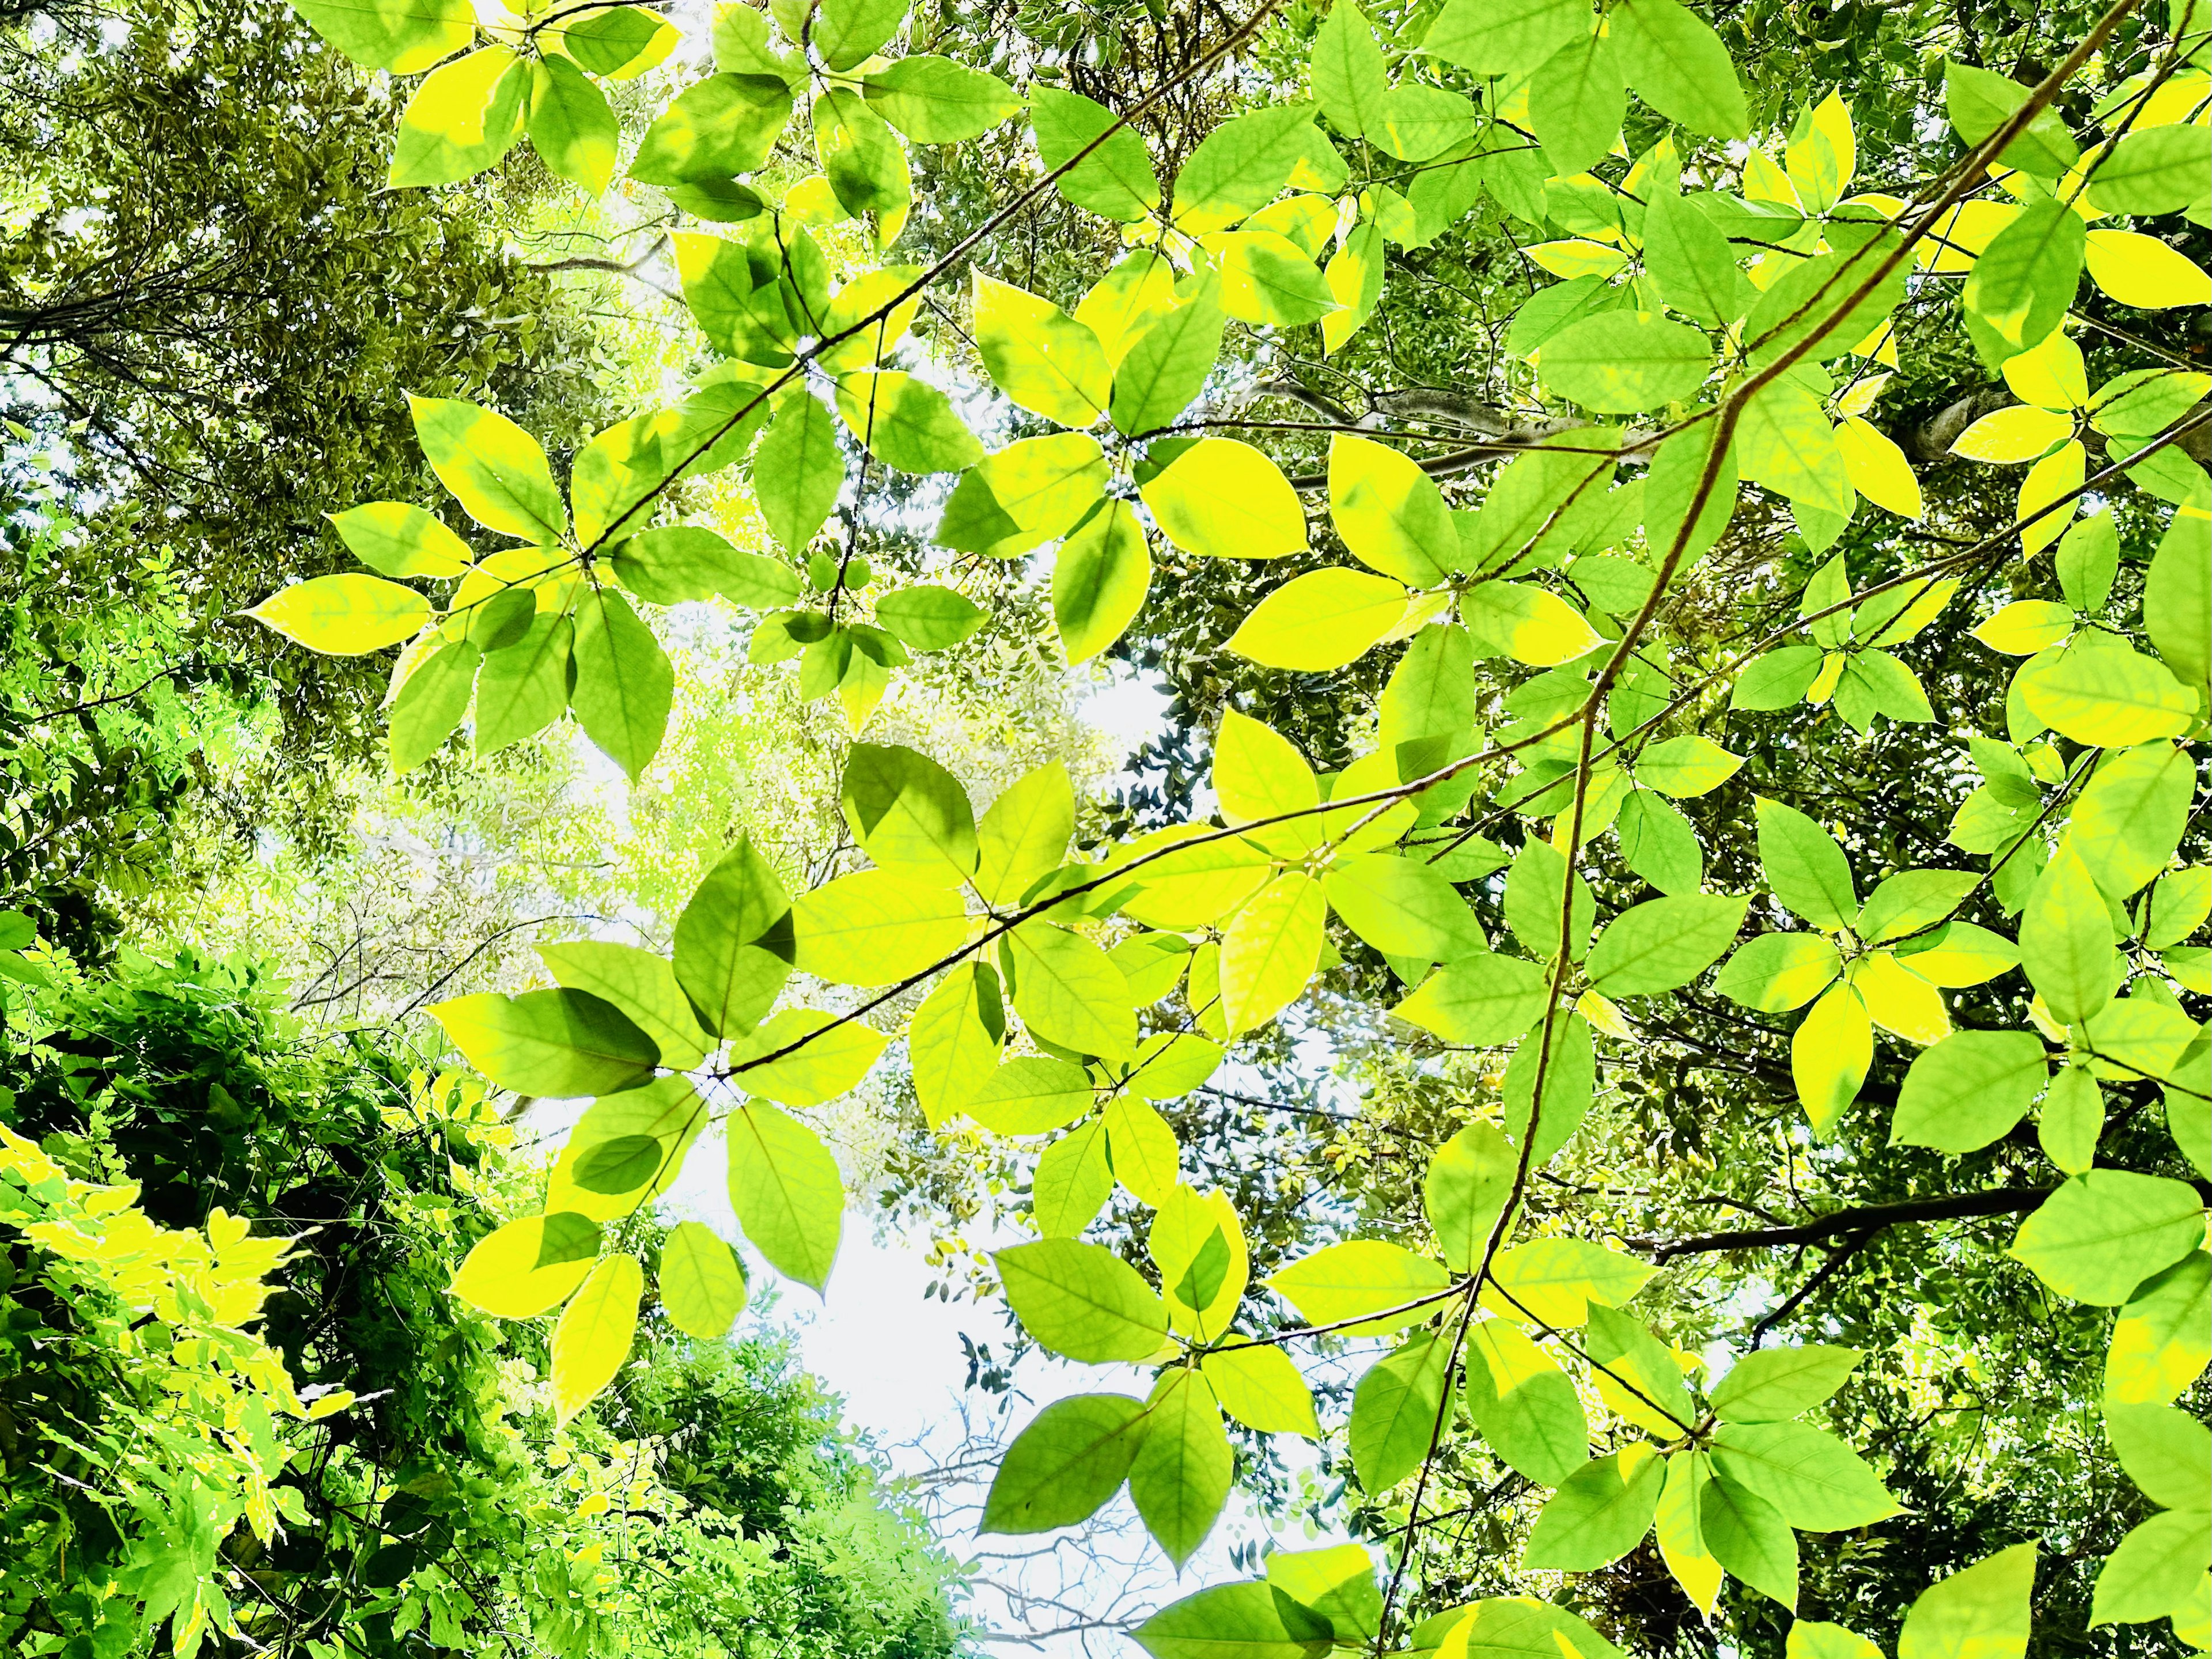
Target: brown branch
{"points": [[1858, 1218]]}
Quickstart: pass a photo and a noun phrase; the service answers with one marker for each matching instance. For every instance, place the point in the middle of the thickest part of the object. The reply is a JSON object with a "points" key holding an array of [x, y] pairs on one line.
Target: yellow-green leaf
{"points": [[347, 616], [592, 1337]]}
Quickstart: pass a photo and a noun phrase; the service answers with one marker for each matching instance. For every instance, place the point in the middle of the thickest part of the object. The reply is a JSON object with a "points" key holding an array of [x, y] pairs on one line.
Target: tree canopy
{"points": [[1659, 939]]}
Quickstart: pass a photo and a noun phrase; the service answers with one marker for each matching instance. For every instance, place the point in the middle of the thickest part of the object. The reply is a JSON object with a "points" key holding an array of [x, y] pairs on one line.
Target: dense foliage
{"points": [[375, 1465], [1661, 931]]}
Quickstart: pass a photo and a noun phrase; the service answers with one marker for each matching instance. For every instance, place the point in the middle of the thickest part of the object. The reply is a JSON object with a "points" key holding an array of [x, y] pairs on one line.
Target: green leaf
{"points": [[608, 42], [831, 1054], [1575, 103], [1625, 361], [703, 1282], [1402, 907], [1969, 1090], [1025, 494], [1658, 844], [1663, 944], [1066, 1465], [400, 540], [592, 1338], [495, 469], [1817, 1482], [1775, 1384], [1140, 1146], [1347, 70], [559, 1042], [2066, 939], [1599, 1512], [1233, 1621], [785, 1186], [1114, 176], [2021, 285], [1805, 867], [799, 471], [1360, 1276], [1830, 1054], [1223, 499], [1068, 992], [1266, 280], [1029, 1096], [1507, 36], [1979, 1612], [1167, 366], [1677, 469], [724, 125], [683, 562], [1240, 167], [2109, 696], [2155, 1570], [1181, 1476], [1681, 1540], [1398, 1410], [1527, 624], [1826, 300], [575, 132], [1390, 513], [1261, 1389], [906, 423], [875, 927], [1271, 949], [403, 36], [736, 297], [1636, 1374], [2102, 1234], [625, 683], [462, 119], [1784, 441], [1524, 1404], [1556, 1279], [929, 617], [1747, 1536], [1532, 889], [2177, 602], [1416, 122], [2153, 171], [1024, 835], [848, 33], [1480, 1002], [1073, 1180], [952, 1043], [627, 1151], [523, 688], [1679, 66], [1042, 358], [2162, 1449], [1979, 102], [1910, 900], [641, 985], [935, 100], [2130, 818], [908, 812], [1470, 1179], [1338, 1584], [1685, 767], [1082, 1302], [511, 1273], [2163, 1339], [1689, 259], [430, 705], [733, 942], [1099, 582]]}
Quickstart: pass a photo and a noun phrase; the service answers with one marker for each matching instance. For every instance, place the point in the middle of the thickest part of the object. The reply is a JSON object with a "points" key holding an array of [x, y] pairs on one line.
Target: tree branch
{"points": [[1858, 1218]]}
